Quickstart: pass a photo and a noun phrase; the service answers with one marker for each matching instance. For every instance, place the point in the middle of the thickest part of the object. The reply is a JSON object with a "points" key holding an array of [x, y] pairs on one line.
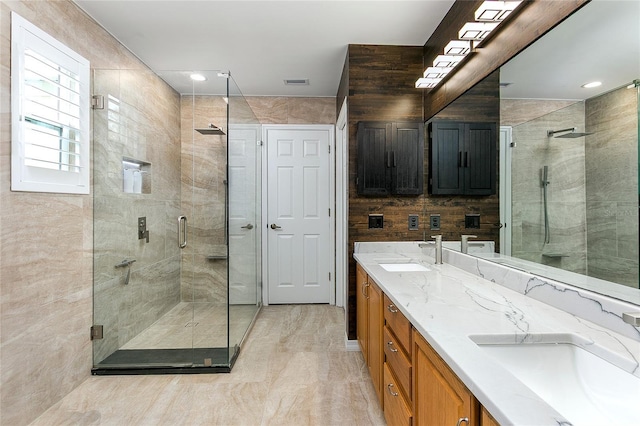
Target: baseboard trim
{"points": [[351, 345]]}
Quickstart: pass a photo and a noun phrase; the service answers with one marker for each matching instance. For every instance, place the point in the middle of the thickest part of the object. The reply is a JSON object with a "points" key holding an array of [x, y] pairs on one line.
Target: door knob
{"points": [[274, 226], [247, 226]]}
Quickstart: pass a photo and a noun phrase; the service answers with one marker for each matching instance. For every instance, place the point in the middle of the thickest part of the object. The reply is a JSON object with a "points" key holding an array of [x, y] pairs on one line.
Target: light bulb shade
{"points": [[436, 72], [495, 10], [427, 83], [447, 61], [457, 47], [476, 30]]}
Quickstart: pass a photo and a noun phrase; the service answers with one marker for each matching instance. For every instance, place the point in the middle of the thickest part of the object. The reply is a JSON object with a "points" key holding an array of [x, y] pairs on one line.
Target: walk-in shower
{"points": [[182, 297]]}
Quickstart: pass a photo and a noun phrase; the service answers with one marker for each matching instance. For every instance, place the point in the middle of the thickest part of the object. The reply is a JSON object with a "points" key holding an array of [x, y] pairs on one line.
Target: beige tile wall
{"points": [[46, 243]]}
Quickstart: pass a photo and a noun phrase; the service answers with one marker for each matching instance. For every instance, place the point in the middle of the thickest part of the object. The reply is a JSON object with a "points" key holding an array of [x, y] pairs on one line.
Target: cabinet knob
{"points": [[389, 388], [462, 420], [392, 308], [391, 348]]}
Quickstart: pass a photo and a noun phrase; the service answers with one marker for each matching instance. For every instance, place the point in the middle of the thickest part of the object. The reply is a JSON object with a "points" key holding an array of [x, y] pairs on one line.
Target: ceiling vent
{"points": [[296, 82]]}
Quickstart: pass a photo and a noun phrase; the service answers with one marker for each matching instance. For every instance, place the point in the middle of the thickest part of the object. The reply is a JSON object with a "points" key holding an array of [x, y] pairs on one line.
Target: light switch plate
{"points": [[434, 222]]}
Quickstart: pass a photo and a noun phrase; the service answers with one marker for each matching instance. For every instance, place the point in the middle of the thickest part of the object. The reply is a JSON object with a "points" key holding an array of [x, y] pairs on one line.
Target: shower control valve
{"points": [[143, 232]]}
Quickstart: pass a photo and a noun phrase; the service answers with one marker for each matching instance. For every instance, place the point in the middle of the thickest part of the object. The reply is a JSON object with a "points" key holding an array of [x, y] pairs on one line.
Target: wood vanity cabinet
{"points": [[486, 419], [397, 366], [463, 158], [439, 397], [369, 327], [390, 158]]}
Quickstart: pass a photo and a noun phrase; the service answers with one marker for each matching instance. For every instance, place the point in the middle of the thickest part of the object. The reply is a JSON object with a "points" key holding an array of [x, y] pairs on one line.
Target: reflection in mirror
{"points": [[574, 150]]}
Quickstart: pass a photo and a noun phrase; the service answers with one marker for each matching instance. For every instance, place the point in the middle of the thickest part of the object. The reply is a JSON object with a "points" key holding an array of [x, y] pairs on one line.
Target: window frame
{"points": [[24, 177]]}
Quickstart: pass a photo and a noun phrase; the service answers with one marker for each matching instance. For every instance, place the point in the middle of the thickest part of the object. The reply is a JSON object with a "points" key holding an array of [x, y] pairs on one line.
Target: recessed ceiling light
{"points": [[592, 84], [197, 77]]}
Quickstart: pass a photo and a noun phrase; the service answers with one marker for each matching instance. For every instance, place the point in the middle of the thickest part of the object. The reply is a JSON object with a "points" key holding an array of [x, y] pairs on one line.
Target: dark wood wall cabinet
{"points": [[390, 158], [463, 158]]}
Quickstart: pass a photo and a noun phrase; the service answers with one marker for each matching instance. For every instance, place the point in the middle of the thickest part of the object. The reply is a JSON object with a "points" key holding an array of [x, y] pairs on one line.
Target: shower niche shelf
{"points": [[136, 176]]}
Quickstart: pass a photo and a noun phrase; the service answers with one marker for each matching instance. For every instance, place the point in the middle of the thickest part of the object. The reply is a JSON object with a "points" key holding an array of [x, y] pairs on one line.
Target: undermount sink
{"points": [[404, 267], [582, 386]]}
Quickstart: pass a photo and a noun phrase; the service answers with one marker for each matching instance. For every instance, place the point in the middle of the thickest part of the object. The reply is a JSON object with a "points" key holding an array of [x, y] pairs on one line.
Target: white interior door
{"points": [[242, 215], [298, 215]]}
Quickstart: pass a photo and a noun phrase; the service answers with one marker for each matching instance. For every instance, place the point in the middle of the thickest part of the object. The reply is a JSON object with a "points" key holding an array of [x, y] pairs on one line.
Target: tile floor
{"points": [[292, 370], [198, 325]]}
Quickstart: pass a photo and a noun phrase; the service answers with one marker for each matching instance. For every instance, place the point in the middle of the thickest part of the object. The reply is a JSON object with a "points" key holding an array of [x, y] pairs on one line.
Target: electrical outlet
{"points": [[413, 222], [376, 221], [434, 222], [472, 221]]}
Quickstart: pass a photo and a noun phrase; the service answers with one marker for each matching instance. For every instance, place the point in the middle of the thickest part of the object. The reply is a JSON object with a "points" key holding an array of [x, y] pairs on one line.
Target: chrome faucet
{"points": [[632, 318], [464, 243], [438, 243]]}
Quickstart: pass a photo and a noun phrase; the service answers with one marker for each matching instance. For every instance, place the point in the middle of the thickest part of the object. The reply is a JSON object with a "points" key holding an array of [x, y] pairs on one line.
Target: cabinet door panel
{"points": [[439, 397], [396, 409], [373, 158], [480, 162], [376, 350], [407, 157], [447, 148]]}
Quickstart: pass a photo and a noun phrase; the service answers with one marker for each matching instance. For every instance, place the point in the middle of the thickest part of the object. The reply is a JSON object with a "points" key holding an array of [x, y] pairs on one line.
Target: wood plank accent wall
{"points": [[378, 82], [534, 20]]}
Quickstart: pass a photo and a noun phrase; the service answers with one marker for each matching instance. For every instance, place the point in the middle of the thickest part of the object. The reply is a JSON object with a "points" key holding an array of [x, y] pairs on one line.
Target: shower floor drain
{"points": [[191, 324]]}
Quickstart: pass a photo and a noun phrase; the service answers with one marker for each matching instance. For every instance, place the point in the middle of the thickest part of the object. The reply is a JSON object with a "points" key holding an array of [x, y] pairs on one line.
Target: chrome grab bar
{"points": [[182, 226]]}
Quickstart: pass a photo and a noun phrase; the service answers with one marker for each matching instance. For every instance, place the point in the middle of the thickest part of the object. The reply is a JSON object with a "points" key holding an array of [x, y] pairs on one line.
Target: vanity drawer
{"points": [[398, 323], [396, 410], [398, 362]]}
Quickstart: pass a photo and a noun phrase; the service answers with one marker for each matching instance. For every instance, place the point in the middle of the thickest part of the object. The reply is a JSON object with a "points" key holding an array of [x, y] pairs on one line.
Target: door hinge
{"points": [[260, 143], [329, 276], [329, 212], [96, 332], [329, 149], [97, 102]]}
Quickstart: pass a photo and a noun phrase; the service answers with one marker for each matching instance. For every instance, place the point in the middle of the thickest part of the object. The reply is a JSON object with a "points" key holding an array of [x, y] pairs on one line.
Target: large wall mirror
{"points": [[569, 154]]}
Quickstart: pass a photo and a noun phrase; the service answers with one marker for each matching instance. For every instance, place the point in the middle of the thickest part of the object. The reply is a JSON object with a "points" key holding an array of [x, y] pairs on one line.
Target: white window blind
{"points": [[50, 113]]}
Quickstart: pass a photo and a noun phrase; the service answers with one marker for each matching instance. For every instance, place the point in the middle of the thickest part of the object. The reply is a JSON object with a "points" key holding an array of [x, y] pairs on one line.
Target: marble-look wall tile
{"points": [[565, 194], [46, 261], [133, 127], [611, 158], [285, 110]]}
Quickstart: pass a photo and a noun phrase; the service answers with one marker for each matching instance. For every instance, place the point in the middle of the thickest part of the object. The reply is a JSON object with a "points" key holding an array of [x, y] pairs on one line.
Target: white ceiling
{"points": [[264, 42], [600, 42]]}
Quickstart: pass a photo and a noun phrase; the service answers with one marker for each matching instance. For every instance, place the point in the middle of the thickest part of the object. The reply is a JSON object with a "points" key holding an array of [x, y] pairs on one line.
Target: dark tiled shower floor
{"points": [[166, 357]]}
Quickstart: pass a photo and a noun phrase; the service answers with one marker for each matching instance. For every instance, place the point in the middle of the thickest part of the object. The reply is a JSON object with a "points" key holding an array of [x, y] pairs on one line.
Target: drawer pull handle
{"points": [[464, 420], [392, 308], [390, 344], [390, 385]]}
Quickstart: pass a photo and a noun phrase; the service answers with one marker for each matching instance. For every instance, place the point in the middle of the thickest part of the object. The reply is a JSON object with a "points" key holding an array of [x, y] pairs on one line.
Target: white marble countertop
{"points": [[447, 305]]}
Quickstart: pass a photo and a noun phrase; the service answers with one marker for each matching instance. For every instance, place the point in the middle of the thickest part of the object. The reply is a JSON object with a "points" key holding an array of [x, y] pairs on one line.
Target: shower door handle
{"points": [[182, 229]]}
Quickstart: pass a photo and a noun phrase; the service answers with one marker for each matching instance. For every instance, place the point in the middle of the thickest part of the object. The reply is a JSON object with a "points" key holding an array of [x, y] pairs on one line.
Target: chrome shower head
{"points": [[573, 133], [212, 129]]}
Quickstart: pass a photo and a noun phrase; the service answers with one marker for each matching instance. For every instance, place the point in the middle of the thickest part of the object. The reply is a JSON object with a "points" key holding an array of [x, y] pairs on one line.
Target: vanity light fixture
{"points": [[436, 72], [592, 84], [476, 31], [198, 77], [495, 10], [427, 83], [447, 61], [457, 47], [487, 17]]}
